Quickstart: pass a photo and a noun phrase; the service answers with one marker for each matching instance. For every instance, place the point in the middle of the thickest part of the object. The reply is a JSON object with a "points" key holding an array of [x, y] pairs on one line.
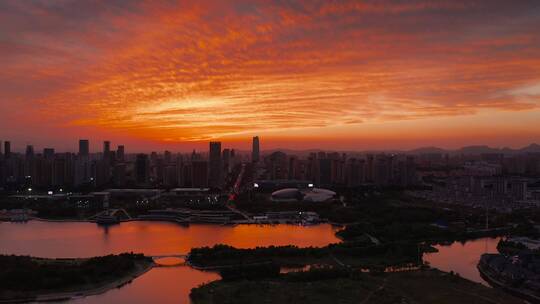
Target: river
{"points": [[159, 285], [462, 258], [173, 284]]}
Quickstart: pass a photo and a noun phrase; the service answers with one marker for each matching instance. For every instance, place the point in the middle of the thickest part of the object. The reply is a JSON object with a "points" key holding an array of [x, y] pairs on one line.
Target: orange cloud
{"points": [[199, 71]]}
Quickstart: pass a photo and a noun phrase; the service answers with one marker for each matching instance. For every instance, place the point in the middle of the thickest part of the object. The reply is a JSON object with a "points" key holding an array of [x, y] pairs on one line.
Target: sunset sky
{"points": [[300, 74]]}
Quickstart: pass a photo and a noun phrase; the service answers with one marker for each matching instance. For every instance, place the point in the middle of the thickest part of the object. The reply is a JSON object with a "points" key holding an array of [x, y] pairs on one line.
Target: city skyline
{"points": [[96, 147], [348, 75]]}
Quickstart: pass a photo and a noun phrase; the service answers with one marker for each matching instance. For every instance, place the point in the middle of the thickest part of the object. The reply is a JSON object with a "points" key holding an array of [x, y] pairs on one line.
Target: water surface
{"points": [[462, 258], [80, 239], [161, 284]]}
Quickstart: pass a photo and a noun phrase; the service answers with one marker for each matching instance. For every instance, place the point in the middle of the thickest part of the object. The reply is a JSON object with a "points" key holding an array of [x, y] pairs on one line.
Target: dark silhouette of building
{"points": [[29, 151], [84, 147], [277, 165], [48, 153], [142, 169], [226, 160], [7, 149], [106, 149], [120, 175], [214, 178], [120, 153], [199, 174], [255, 150]]}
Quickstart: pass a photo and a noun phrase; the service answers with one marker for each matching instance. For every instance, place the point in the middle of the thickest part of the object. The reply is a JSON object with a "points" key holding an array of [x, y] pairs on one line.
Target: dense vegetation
{"points": [[510, 248], [25, 275], [247, 272], [358, 254], [220, 255], [338, 286]]}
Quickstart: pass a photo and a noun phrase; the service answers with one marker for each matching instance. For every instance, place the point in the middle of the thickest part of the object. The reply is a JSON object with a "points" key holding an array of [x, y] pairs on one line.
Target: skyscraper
{"points": [[142, 169], [199, 174], [48, 153], [226, 160], [214, 178], [7, 149], [120, 153], [29, 151], [106, 149], [84, 147], [255, 153]]}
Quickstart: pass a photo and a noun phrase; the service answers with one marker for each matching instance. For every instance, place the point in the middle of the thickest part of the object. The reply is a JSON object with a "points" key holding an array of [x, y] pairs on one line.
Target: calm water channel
{"points": [[173, 284], [159, 285]]}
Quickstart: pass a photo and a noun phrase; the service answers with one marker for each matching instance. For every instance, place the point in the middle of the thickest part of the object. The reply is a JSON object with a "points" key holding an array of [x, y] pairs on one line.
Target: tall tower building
{"points": [[84, 147], [142, 169], [199, 174], [7, 149], [29, 151], [214, 178], [48, 153], [106, 149], [120, 153], [255, 151], [226, 160]]}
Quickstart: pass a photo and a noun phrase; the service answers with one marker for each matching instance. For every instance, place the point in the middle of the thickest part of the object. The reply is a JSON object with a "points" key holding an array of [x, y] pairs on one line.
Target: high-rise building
{"points": [[82, 171], [214, 178], [325, 171], [142, 169], [29, 151], [106, 149], [48, 153], [369, 167], [199, 174], [519, 189], [277, 165], [255, 151], [120, 153], [84, 147], [119, 175], [167, 155], [226, 160], [170, 176], [59, 172], [7, 149]]}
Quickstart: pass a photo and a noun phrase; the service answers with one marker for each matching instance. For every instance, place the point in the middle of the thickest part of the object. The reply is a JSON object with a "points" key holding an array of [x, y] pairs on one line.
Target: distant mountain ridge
{"points": [[470, 150]]}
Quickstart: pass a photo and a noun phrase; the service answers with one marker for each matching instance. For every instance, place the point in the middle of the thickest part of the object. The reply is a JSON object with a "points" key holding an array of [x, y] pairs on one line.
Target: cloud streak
{"points": [[194, 71]]}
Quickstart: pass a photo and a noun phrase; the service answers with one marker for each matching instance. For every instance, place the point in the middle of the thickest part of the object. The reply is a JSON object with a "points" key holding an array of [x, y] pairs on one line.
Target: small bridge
{"points": [[182, 261], [157, 257]]}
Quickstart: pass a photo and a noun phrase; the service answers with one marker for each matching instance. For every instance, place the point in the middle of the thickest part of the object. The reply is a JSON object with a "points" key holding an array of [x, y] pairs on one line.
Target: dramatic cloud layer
{"points": [[198, 70]]}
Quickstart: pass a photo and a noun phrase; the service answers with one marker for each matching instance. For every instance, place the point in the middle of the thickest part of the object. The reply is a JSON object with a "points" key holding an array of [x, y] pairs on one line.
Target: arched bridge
{"points": [[181, 261]]}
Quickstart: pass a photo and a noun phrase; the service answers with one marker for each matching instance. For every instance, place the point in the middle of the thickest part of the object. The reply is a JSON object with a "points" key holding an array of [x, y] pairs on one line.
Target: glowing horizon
{"points": [[301, 74]]}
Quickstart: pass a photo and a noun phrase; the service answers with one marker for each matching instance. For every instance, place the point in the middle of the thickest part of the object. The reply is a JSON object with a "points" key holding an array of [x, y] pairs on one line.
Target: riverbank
{"points": [[421, 286], [511, 279], [88, 276]]}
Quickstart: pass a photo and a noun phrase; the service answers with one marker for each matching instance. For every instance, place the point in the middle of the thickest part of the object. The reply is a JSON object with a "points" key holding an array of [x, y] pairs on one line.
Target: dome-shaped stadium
{"points": [[318, 195], [315, 195], [287, 195]]}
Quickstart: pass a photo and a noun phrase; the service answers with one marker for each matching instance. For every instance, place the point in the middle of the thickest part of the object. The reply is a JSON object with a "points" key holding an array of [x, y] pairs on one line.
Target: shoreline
{"points": [[142, 268], [513, 291], [241, 222]]}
